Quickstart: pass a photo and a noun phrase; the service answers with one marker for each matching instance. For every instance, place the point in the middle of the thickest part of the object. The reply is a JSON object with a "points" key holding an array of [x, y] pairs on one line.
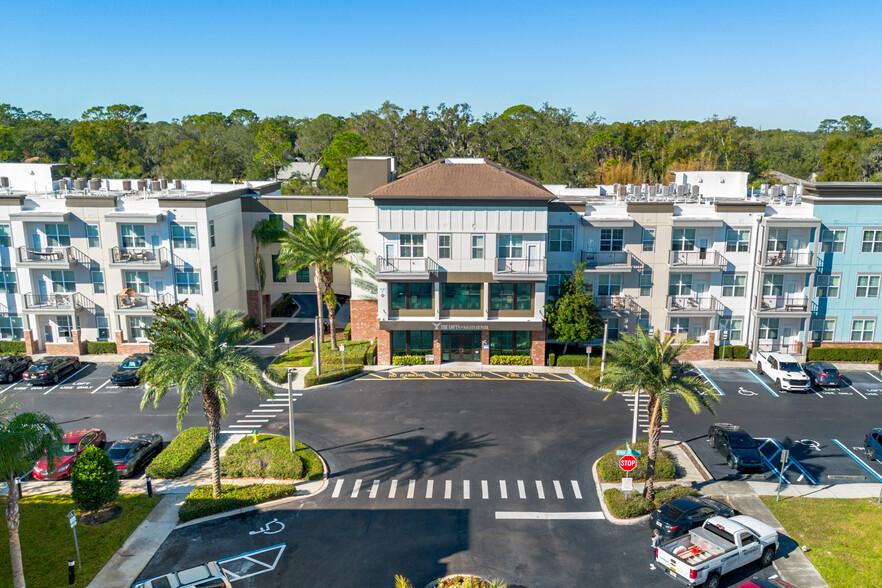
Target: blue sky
{"points": [[774, 64]]}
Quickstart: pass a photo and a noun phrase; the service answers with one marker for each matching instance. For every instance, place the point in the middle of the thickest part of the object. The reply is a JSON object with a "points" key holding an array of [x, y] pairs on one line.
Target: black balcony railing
{"points": [[693, 303], [139, 256], [619, 302], [405, 265], [515, 267], [57, 302], [696, 258], [129, 302], [788, 259], [784, 303], [595, 259]]}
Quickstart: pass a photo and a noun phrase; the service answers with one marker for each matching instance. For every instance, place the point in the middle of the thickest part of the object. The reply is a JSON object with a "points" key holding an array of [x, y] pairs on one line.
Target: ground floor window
{"points": [[411, 342], [510, 296], [679, 325], [64, 326], [11, 327], [733, 326], [768, 328], [461, 297], [509, 342], [103, 328], [411, 296], [862, 329], [137, 324], [822, 329]]}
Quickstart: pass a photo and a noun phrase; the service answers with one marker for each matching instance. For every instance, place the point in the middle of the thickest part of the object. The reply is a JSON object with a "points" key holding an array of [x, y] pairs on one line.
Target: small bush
{"points": [[200, 502], [732, 352], [327, 377], [94, 481], [609, 471], [370, 356], [632, 504], [862, 354], [511, 360], [551, 359], [408, 360], [12, 347], [100, 347], [347, 332], [270, 457], [572, 360], [667, 493], [180, 454], [591, 376]]}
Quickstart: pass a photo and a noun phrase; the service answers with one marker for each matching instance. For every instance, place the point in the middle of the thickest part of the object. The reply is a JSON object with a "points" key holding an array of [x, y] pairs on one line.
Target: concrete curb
{"points": [[598, 485]]}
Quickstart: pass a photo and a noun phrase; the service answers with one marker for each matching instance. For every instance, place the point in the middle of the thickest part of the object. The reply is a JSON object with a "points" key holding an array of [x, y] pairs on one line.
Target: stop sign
{"points": [[627, 463]]}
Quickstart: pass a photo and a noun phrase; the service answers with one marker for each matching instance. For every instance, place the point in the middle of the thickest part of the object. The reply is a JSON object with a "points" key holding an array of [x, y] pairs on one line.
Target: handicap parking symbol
{"points": [[810, 444], [744, 392]]}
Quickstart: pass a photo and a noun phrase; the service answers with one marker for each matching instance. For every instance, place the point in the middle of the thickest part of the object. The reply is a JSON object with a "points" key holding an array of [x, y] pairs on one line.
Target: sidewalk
{"points": [[468, 366]]}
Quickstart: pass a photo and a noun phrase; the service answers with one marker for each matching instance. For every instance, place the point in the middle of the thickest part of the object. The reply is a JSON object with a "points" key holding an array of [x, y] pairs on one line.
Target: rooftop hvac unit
{"points": [[94, 185], [127, 185], [681, 190], [666, 191], [80, 183], [790, 190], [64, 184], [623, 190], [156, 185], [4, 182], [652, 191], [163, 183], [142, 185], [695, 190], [179, 185]]}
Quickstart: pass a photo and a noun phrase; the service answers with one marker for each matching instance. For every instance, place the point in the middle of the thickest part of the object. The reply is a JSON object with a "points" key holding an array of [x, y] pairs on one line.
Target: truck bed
{"points": [[698, 546]]}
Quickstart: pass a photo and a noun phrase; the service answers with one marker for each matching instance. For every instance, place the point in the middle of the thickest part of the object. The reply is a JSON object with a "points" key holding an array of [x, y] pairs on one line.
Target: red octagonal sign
{"points": [[627, 463]]}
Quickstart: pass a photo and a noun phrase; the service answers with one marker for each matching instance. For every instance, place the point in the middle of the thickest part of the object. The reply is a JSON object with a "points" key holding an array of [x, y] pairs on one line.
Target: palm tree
{"points": [[24, 439], [322, 243], [204, 359], [266, 232], [649, 365]]}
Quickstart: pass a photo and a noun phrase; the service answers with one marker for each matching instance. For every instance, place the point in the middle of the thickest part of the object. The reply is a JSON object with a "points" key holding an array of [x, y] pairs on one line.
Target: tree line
{"points": [[551, 144]]}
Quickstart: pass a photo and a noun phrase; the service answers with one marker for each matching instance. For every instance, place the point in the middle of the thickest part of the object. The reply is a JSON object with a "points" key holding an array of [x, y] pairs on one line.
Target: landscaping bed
{"points": [[842, 536], [629, 505], [298, 356], [47, 541], [608, 469], [180, 454], [200, 502], [270, 457], [354, 356]]}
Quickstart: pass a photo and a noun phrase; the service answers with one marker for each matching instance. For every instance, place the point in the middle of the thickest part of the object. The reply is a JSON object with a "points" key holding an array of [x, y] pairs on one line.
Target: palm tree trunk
{"points": [[12, 520], [258, 270], [653, 407], [331, 301], [211, 406]]}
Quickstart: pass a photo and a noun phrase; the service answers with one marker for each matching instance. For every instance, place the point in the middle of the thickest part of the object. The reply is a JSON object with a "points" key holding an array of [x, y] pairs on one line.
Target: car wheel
{"points": [[730, 463], [712, 441], [76, 366], [778, 385], [759, 368], [10, 377], [768, 556], [871, 455], [54, 378], [713, 581]]}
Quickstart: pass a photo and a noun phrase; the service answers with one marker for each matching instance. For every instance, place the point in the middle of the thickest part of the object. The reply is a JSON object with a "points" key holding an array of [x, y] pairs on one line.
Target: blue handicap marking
{"points": [[757, 378], [252, 563], [857, 459], [773, 462]]}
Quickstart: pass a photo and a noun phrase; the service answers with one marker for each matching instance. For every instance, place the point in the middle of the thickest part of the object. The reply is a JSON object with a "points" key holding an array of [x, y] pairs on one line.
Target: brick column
{"points": [[537, 347], [363, 316], [118, 337], [436, 346], [384, 348], [76, 340], [485, 347], [30, 347]]}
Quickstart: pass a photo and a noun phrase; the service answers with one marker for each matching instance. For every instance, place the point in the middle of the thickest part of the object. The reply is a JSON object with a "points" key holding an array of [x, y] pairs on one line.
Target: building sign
{"points": [[455, 326]]}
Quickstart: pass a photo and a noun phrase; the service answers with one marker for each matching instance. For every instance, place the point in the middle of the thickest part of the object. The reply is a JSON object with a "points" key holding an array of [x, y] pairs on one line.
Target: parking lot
{"points": [[91, 378]]}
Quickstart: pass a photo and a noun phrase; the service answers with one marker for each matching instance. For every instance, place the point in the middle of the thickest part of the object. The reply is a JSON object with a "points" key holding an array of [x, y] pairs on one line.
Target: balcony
{"points": [[696, 260], [127, 302], [618, 303], [789, 304], [608, 261], [693, 304], [505, 269], [788, 260], [56, 303], [49, 257], [404, 268], [131, 258]]}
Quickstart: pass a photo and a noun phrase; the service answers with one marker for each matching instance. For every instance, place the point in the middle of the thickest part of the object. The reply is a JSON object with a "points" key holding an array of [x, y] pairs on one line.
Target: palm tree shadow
{"points": [[416, 457]]}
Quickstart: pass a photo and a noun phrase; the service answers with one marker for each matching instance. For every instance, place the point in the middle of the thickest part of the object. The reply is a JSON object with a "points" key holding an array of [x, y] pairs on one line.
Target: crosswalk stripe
{"points": [[272, 410], [355, 488], [374, 488], [558, 490], [429, 486], [410, 488], [540, 490], [392, 488], [448, 489], [576, 490], [485, 492], [466, 490], [522, 491], [541, 493], [503, 491], [337, 488]]}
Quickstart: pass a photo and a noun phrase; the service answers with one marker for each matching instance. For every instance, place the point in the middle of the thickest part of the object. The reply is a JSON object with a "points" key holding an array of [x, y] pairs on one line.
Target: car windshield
{"points": [[790, 366], [68, 448], [671, 512], [41, 366], [118, 452], [132, 364], [741, 442]]}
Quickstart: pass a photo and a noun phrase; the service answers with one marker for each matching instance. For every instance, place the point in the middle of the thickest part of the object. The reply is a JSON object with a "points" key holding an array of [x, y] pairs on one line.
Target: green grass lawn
{"points": [[302, 356], [270, 457], [47, 541], [844, 536]]}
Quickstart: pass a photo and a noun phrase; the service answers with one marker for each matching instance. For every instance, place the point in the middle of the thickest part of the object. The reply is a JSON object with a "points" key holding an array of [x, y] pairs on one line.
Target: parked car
{"points": [[873, 444], [133, 452], [784, 370], [127, 372], [208, 575], [733, 443], [51, 369], [72, 445], [12, 366], [770, 583], [822, 373], [683, 514]]}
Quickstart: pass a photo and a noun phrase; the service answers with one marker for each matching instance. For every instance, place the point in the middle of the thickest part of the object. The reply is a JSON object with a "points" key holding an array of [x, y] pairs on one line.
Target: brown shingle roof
{"points": [[463, 181]]}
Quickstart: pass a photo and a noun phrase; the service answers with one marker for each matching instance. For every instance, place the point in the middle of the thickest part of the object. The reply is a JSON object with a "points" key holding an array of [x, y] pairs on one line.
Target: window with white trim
{"points": [[98, 282], [733, 325], [510, 246], [679, 325], [871, 241], [64, 326], [477, 246], [57, 235], [103, 325], [827, 286], [609, 284], [768, 328], [187, 282], [137, 326], [560, 239], [612, 239], [555, 280], [832, 240], [822, 329], [648, 239], [133, 236], [737, 240], [777, 240], [5, 236], [734, 285], [411, 245], [184, 236], [683, 240], [11, 327], [215, 283], [93, 236], [138, 281], [680, 285], [63, 281], [646, 282], [773, 285], [444, 247], [7, 282], [862, 329], [867, 287], [612, 330], [211, 233]]}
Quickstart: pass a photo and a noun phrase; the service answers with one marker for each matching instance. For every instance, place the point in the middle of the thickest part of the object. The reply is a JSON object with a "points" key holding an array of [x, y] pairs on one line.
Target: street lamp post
{"points": [[293, 444], [319, 337], [603, 351]]}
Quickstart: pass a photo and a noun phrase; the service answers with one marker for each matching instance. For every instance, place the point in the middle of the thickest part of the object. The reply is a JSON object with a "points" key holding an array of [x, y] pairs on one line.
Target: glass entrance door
{"points": [[464, 346]]}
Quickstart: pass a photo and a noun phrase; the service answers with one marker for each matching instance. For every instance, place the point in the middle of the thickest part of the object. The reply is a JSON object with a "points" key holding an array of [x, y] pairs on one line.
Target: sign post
{"points": [[588, 358], [725, 337], [785, 456], [603, 351], [72, 519], [342, 363], [319, 338], [292, 443]]}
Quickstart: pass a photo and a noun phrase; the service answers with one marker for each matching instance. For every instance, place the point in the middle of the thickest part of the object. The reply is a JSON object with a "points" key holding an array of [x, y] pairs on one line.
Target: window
{"points": [[827, 286], [57, 235], [103, 328], [733, 326], [477, 246], [211, 234], [867, 287], [63, 281], [11, 327], [768, 328], [461, 297], [274, 261], [411, 245], [832, 240], [555, 280], [5, 236], [444, 249], [646, 282], [133, 236], [137, 326], [411, 296], [612, 239], [509, 342], [64, 326], [777, 240], [862, 329], [612, 332], [184, 236], [643, 323], [648, 239], [510, 246], [773, 285], [138, 281], [737, 240], [299, 219], [7, 283], [411, 342], [609, 284], [92, 235], [872, 242], [560, 239], [683, 240], [734, 284], [679, 325], [680, 285], [187, 282], [98, 282], [510, 296], [822, 329], [324, 216], [303, 275], [215, 283]]}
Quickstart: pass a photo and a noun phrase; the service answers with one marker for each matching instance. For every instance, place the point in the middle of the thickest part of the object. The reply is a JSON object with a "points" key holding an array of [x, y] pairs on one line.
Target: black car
{"points": [[12, 366], [822, 373], [733, 443], [51, 369], [131, 453], [687, 512], [127, 372]]}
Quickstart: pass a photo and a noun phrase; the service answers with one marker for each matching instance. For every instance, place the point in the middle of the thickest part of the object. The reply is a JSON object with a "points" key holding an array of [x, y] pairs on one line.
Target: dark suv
{"points": [[12, 366], [733, 443], [873, 444]]}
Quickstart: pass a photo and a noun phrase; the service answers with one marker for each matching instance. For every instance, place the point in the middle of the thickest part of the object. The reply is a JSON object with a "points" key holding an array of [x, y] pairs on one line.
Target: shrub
{"points": [[94, 481], [200, 502], [609, 471], [511, 360], [180, 454], [270, 457], [550, 359], [668, 493], [99, 347], [732, 352], [632, 504], [12, 347], [572, 360], [864, 354], [327, 377], [370, 356], [347, 332], [408, 360], [591, 376]]}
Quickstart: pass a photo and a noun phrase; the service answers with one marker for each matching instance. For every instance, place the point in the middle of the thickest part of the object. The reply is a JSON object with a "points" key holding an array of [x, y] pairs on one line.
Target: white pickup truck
{"points": [[209, 575], [719, 546], [784, 369]]}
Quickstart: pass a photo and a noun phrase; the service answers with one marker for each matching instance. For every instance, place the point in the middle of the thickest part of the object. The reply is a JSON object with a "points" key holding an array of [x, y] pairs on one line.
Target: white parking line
{"points": [[485, 491], [858, 391], [271, 410], [448, 489], [252, 420], [99, 387], [429, 486], [8, 388], [540, 490], [375, 487], [763, 384], [872, 375], [355, 489], [503, 491], [522, 491], [393, 487], [64, 380], [550, 516]]}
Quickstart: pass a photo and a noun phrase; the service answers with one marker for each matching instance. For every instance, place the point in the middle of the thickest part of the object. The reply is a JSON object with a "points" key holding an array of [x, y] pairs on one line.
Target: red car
{"points": [[72, 445], [771, 583]]}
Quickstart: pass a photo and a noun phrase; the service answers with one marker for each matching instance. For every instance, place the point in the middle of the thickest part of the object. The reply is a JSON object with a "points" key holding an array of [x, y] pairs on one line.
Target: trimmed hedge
{"points": [[409, 360], [270, 457], [609, 471], [572, 360], [732, 352], [200, 503], [347, 332], [100, 347], [862, 354], [510, 360], [632, 504], [370, 356], [12, 347], [180, 454], [551, 359], [327, 377]]}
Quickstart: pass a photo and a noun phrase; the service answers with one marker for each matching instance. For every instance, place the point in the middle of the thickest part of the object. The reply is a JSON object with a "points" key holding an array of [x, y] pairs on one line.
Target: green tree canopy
{"points": [[94, 481], [345, 145], [572, 317]]}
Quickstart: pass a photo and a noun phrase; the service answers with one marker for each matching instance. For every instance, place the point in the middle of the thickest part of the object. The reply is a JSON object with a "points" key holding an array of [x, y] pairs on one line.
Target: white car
{"points": [[209, 575]]}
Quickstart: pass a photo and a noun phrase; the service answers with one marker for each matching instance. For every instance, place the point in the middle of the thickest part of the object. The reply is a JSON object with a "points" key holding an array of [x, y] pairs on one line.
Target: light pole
{"points": [[636, 409], [291, 372], [319, 337], [603, 351]]}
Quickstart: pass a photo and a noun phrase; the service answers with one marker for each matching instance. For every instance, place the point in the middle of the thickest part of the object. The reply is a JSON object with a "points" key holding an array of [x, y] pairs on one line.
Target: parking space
{"points": [[91, 378]]}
